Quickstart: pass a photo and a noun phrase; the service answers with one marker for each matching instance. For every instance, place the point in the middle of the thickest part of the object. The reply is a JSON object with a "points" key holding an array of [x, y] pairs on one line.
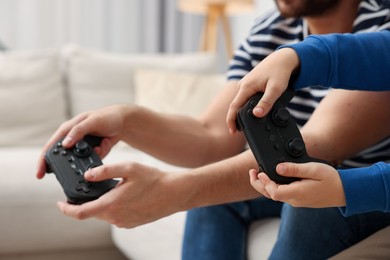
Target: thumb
{"points": [[105, 172], [298, 170]]}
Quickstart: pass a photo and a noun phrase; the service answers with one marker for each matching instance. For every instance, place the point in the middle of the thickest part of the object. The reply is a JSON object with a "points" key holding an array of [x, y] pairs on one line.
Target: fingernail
{"points": [[90, 174], [67, 141], [60, 204], [281, 169], [258, 110]]}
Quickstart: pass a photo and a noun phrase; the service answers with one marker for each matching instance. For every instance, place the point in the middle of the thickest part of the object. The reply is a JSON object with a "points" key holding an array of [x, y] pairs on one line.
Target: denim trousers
{"points": [[220, 232]]}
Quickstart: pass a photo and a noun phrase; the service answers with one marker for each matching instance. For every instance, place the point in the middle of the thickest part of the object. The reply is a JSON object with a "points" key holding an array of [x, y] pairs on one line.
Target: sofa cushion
{"points": [[32, 103], [176, 92], [98, 78]]}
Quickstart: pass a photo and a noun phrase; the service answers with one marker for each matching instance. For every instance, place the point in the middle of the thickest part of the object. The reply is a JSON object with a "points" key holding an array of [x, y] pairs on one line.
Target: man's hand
{"points": [[144, 194], [107, 123]]}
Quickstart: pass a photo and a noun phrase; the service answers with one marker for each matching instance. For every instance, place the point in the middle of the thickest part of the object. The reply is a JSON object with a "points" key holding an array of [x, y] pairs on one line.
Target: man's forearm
{"points": [[176, 139], [345, 123], [183, 140], [221, 182]]}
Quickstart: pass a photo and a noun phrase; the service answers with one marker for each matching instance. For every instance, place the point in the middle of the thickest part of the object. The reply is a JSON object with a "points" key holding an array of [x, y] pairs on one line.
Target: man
{"points": [[153, 194], [228, 223]]}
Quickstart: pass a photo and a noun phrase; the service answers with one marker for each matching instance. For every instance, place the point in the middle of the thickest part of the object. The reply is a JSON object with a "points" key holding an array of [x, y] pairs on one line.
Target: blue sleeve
{"points": [[366, 189], [349, 61]]}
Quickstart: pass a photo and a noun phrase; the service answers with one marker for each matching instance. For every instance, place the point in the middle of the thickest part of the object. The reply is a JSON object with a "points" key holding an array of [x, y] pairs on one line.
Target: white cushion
{"points": [[32, 103], [97, 78], [176, 92]]}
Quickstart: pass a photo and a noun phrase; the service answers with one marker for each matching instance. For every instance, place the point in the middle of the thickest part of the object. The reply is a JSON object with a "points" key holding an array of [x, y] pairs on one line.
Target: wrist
{"points": [[222, 182], [291, 59], [132, 118]]}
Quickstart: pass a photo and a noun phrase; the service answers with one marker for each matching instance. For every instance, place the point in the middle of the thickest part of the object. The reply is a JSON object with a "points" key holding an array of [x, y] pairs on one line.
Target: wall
{"points": [[115, 25]]}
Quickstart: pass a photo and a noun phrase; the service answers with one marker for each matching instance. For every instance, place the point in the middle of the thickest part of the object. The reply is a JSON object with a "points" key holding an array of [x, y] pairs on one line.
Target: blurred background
{"points": [[131, 26]]}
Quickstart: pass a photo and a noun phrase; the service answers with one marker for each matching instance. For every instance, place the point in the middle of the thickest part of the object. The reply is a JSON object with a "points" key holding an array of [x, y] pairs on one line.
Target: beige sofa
{"points": [[41, 89]]}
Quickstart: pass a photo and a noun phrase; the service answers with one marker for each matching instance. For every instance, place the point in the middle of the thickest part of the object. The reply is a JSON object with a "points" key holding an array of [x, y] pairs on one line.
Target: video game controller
{"points": [[69, 166], [274, 138]]}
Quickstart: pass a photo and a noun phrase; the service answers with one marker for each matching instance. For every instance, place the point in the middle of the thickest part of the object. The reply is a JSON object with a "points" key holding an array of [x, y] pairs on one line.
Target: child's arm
{"points": [[357, 190]]}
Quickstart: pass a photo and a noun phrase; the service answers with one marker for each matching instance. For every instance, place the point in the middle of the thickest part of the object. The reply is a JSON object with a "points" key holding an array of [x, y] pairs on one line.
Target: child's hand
{"points": [[271, 76], [320, 185]]}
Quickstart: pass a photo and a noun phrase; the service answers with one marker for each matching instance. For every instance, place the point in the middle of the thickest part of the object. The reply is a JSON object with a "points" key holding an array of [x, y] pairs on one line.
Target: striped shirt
{"points": [[272, 30]]}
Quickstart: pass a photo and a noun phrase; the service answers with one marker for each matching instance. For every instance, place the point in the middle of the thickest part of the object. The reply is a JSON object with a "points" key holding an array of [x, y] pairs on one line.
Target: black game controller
{"points": [[69, 166], [274, 138]]}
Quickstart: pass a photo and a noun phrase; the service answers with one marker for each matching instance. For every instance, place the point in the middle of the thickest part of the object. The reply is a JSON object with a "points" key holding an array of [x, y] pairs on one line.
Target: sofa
{"points": [[40, 89]]}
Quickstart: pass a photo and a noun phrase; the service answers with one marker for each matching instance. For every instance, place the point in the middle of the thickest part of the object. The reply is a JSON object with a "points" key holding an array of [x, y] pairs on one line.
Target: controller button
{"points": [[253, 103], [64, 153], [83, 186], [82, 149], [249, 113], [93, 165], [70, 159], [296, 147], [56, 151], [59, 144], [277, 147], [268, 127], [281, 116], [272, 137], [281, 159], [79, 172]]}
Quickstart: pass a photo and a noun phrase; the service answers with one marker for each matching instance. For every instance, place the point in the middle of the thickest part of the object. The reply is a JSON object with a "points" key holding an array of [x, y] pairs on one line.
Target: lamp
{"points": [[216, 10]]}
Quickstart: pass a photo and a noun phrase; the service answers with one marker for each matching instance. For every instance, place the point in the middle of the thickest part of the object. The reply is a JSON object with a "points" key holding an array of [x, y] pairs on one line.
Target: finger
{"points": [[265, 104], [84, 211], [60, 133], [298, 170], [106, 146], [246, 90], [232, 115], [257, 183], [268, 184], [271, 94], [41, 167], [105, 172], [77, 132], [271, 187], [277, 192], [253, 175]]}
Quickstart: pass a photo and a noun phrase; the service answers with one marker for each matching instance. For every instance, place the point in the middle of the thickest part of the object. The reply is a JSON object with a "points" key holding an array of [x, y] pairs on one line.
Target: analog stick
{"points": [[296, 147], [82, 149], [281, 116]]}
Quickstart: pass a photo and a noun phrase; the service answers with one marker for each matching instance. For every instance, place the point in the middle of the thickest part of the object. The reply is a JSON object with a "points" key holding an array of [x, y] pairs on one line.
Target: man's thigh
{"points": [[376, 246]]}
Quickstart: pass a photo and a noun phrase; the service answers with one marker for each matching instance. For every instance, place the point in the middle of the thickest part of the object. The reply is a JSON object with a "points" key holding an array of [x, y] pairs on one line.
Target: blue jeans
{"points": [[220, 232]]}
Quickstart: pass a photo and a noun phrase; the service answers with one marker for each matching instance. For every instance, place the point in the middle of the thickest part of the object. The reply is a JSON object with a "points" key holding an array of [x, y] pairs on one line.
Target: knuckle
{"points": [[80, 215], [133, 167], [265, 103]]}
